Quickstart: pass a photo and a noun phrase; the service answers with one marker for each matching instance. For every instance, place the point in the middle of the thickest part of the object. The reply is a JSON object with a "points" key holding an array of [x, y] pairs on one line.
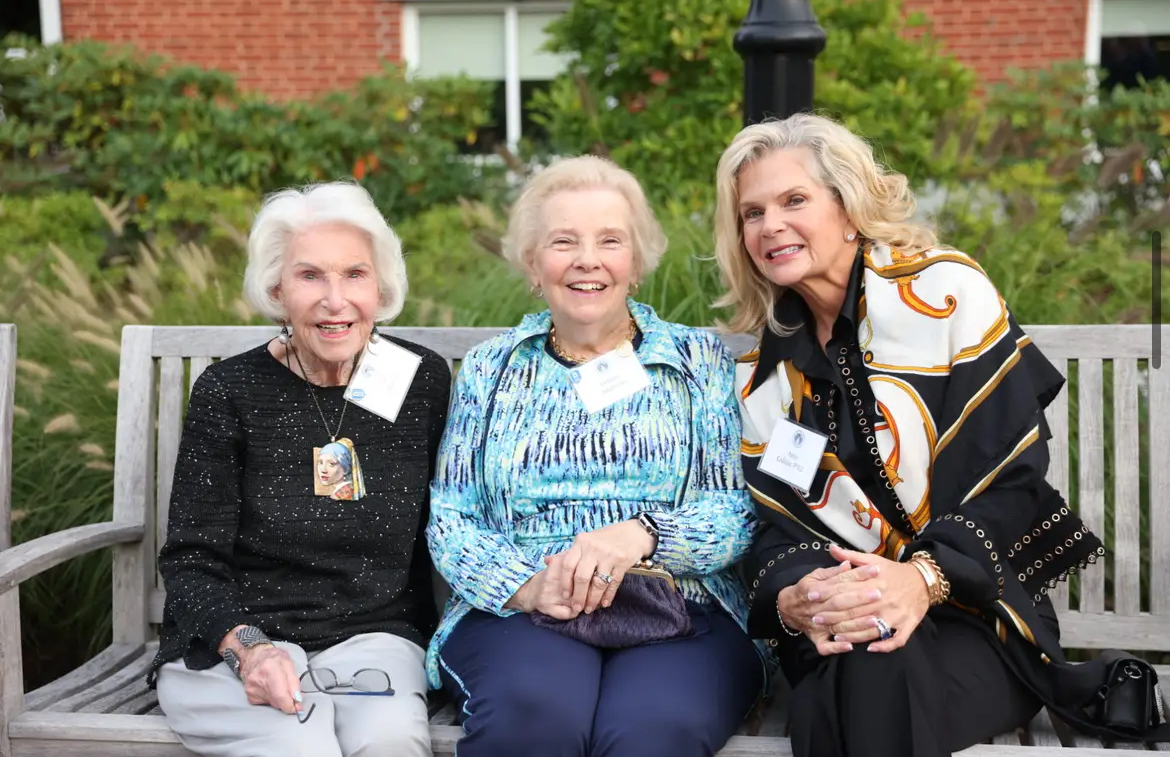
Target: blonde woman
{"points": [[895, 445]]}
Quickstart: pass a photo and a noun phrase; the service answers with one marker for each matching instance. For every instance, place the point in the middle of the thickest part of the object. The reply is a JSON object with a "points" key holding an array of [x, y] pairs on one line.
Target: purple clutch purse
{"points": [[647, 608]]}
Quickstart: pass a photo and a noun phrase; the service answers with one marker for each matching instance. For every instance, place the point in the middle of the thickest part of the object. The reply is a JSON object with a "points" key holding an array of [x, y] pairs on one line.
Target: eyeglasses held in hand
{"points": [[367, 682]]}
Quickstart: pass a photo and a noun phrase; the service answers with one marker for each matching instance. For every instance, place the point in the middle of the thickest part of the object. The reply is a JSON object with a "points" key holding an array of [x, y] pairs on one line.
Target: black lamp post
{"points": [[778, 41]]}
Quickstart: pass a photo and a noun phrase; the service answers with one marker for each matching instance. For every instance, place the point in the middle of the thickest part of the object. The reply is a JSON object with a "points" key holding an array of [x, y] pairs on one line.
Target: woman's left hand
{"points": [[850, 615], [609, 551]]}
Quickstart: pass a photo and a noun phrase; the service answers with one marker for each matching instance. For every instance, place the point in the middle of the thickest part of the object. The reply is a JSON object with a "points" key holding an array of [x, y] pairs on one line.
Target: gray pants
{"points": [[208, 711]]}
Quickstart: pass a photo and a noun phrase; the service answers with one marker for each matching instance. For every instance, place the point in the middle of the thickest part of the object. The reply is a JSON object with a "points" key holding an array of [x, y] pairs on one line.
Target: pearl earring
{"points": [[850, 237], [284, 336]]}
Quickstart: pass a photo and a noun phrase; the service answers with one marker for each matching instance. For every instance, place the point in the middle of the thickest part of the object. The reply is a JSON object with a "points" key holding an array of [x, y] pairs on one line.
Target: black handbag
{"points": [[1115, 696], [1130, 699], [646, 609]]}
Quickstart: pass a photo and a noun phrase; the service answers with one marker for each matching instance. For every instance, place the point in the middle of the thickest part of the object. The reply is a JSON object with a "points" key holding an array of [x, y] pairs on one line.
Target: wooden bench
{"points": [[104, 707], [7, 403]]}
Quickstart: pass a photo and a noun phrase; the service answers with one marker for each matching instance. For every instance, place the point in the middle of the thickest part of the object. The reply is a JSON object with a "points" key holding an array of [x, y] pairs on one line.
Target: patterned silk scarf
{"points": [[954, 393]]}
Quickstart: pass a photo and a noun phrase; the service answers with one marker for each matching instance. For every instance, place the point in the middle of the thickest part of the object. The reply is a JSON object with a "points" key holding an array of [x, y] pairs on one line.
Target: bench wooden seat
{"points": [[105, 708]]}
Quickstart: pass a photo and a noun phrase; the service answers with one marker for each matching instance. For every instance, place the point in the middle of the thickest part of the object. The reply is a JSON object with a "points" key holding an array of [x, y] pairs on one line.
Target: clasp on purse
{"points": [[654, 570]]}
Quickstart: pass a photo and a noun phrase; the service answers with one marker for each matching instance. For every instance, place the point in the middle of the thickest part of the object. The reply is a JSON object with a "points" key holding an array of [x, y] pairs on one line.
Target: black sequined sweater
{"points": [[250, 543]]}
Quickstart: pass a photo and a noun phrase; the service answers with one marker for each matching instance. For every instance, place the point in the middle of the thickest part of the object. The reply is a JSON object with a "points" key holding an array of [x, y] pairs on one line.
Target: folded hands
{"points": [[841, 606]]}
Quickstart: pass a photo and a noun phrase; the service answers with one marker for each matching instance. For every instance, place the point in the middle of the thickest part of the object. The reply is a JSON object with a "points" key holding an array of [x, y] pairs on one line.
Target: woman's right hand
{"points": [[270, 678], [542, 593]]}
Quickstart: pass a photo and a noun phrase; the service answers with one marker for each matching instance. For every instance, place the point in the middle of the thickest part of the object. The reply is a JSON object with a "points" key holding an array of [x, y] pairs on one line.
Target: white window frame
{"points": [[510, 11], [1093, 33], [51, 22]]}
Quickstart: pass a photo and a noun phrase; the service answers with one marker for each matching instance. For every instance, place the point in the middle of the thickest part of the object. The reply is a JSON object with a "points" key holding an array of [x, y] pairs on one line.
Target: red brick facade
{"points": [[288, 48], [295, 48], [992, 36]]}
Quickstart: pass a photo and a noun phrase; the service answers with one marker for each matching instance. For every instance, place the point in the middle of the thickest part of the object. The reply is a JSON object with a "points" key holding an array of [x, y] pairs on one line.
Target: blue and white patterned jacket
{"points": [[471, 533]]}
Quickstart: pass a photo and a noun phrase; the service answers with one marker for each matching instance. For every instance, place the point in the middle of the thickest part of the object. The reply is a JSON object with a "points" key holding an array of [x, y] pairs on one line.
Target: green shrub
{"points": [[1100, 148], [70, 220], [117, 123], [670, 101]]}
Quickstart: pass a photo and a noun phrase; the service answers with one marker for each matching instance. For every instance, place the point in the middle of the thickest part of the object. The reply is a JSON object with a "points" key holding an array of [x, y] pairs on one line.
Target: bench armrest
{"points": [[22, 562]]}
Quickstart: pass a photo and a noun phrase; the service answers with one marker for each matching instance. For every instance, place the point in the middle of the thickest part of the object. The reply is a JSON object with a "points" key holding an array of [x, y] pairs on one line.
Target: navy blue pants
{"points": [[526, 691]]}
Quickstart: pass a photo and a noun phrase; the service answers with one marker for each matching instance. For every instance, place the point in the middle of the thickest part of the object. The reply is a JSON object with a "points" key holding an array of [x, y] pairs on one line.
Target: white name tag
{"points": [[383, 378], [606, 379], [793, 454]]}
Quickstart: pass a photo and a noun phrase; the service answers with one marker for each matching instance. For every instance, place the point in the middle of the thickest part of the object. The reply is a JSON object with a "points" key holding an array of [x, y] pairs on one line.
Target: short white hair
{"points": [[290, 212], [582, 172]]}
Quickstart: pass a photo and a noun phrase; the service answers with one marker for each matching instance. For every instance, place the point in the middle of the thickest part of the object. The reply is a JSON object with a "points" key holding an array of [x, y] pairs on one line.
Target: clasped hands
{"points": [[573, 581], [840, 606]]}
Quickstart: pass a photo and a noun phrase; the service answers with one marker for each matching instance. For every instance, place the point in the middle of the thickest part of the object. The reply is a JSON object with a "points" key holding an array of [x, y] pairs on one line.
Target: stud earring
{"points": [[850, 237], [536, 290], [284, 336]]}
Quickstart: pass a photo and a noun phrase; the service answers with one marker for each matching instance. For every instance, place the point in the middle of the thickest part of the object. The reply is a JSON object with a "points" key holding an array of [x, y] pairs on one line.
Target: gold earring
{"points": [[634, 288], [536, 290]]}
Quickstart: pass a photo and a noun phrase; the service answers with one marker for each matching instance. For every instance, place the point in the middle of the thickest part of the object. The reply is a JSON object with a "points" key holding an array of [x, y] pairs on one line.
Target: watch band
{"points": [[646, 522], [249, 637], [233, 661]]}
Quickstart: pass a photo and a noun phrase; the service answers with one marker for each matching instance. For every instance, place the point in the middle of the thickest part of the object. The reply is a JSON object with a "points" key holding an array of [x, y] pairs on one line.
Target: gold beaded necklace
{"points": [[625, 347]]}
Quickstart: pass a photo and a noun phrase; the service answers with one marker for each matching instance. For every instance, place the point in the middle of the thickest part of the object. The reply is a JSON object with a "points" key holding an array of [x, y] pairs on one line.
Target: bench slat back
{"points": [[1114, 401], [7, 403]]}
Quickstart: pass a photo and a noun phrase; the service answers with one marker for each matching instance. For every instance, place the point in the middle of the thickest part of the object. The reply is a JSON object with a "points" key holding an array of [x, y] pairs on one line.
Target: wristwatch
{"points": [[646, 522], [248, 636]]}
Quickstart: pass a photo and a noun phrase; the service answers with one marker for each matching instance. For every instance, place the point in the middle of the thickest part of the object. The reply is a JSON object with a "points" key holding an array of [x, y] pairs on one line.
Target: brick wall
{"points": [[295, 48], [992, 36], [287, 48]]}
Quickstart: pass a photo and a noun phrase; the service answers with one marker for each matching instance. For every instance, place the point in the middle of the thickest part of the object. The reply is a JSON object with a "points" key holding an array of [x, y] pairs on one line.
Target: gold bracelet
{"points": [[929, 577], [943, 586]]}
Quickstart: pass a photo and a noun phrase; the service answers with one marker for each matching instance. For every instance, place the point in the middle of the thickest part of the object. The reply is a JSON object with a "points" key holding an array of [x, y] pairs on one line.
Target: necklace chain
{"points": [[552, 338], [313, 394]]}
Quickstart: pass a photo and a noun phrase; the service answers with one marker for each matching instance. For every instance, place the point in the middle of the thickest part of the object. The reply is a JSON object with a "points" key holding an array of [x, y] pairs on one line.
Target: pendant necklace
{"points": [[336, 471]]}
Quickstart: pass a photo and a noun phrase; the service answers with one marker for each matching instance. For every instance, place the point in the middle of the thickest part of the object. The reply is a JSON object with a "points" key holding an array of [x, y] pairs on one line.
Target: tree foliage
{"points": [[658, 85], [118, 123]]}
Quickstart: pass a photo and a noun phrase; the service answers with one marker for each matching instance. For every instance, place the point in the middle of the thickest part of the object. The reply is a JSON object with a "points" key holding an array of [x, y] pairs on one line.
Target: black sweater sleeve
{"points": [[196, 561]]}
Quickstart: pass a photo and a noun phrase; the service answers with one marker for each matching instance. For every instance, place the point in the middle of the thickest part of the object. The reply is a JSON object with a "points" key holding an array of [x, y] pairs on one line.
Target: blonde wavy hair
{"points": [[526, 220], [877, 200]]}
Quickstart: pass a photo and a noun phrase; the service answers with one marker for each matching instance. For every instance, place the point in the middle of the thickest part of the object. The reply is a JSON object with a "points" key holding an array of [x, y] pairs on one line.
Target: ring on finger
{"points": [[606, 578], [884, 630]]}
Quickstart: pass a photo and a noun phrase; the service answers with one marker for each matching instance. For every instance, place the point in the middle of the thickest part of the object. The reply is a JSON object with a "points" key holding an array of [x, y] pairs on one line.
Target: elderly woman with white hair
{"points": [[588, 505], [895, 444], [299, 599]]}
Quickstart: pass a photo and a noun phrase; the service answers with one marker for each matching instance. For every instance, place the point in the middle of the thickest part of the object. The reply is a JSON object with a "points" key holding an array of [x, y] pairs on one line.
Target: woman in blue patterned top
{"points": [[552, 481]]}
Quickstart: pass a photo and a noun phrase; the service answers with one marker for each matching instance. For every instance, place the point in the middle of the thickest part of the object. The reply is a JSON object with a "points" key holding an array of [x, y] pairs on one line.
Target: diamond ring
{"points": [[605, 577], [884, 629]]}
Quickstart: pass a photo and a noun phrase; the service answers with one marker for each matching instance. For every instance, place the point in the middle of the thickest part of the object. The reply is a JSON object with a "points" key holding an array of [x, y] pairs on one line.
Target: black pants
{"points": [[945, 690]]}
